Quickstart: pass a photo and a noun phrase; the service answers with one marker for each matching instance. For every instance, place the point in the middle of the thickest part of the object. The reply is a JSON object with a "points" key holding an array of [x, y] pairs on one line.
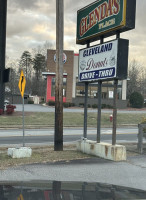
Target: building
{"points": [[73, 91]]}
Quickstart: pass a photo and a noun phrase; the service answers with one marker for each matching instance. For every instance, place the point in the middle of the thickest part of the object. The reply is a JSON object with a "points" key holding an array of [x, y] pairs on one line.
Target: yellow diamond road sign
{"points": [[22, 83], [20, 197]]}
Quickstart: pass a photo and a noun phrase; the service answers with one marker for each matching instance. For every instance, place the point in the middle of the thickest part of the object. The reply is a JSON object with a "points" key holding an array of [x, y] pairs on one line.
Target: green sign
{"points": [[104, 18]]}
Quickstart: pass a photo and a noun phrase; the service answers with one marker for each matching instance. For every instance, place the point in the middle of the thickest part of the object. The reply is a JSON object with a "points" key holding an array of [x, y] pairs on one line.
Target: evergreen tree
{"points": [[25, 64], [39, 65]]}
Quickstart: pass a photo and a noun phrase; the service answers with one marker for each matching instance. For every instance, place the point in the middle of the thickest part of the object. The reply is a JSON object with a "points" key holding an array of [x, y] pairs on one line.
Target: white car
{"points": [[6, 102]]}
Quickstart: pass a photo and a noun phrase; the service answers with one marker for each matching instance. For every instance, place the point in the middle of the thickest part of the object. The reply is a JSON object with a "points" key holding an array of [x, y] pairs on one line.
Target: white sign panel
{"points": [[98, 62]]}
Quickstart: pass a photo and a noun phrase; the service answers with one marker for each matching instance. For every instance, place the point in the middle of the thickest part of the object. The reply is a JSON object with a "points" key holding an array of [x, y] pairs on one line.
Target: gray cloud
{"points": [[22, 4], [32, 22]]}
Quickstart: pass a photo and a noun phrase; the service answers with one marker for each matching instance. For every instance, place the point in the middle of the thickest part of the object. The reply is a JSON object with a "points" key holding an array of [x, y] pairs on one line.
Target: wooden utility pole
{"points": [[58, 138]]}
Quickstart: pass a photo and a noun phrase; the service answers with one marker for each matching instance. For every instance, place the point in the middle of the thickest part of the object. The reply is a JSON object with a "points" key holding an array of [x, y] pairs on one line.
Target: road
{"points": [[40, 108], [46, 136]]}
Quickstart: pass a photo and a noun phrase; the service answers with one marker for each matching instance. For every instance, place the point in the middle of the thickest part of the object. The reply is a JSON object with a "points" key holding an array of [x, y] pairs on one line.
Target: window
{"points": [[53, 87]]}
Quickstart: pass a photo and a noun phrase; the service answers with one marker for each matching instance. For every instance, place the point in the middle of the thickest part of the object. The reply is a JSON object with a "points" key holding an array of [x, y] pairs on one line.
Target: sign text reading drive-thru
{"points": [[105, 61], [105, 18]]}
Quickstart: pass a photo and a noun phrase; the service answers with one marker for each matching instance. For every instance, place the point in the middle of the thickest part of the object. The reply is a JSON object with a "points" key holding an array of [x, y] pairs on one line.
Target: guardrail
{"points": [[141, 135]]}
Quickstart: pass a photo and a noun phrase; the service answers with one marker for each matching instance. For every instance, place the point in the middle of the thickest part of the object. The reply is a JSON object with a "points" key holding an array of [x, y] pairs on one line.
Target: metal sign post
{"points": [[21, 85], [115, 107], [85, 110], [99, 111], [23, 121], [99, 105], [85, 105], [114, 113]]}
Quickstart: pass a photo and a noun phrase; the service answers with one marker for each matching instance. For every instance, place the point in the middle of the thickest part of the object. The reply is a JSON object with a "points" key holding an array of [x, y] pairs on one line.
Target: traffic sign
{"points": [[20, 197], [22, 83]]}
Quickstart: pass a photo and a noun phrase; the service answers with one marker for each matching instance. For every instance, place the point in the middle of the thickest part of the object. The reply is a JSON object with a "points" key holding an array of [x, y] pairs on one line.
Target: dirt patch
{"points": [[42, 155], [131, 149]]}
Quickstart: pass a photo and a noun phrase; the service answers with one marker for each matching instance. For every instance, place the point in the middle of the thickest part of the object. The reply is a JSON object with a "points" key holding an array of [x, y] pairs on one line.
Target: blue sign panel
{"points": [[98, 74]]}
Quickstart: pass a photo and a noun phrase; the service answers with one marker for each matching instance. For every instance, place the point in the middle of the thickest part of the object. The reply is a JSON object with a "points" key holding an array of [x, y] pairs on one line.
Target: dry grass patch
{"points": [[42, 155]]}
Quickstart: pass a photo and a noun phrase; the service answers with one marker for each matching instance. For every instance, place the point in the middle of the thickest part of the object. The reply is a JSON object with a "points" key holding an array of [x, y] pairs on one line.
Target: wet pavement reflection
{"points": [[43, 190]]}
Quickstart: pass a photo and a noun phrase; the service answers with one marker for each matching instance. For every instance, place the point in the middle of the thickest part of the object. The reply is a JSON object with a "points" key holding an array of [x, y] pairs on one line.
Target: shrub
{"points": [[103, 106], [66, 104], [1, 111], [94, 106], [136, 100], [89, 106], [71, 104], [81, 104], [51, 103], [109, 106], [30, 102], [10, 109]]}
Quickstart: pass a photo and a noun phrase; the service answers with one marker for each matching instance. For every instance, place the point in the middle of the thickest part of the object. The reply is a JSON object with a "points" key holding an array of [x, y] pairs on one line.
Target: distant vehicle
{"points": [[6, 102], [145, 101]]}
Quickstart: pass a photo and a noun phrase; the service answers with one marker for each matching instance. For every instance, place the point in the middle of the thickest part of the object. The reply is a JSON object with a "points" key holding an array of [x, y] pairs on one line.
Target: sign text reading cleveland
{"points": [[103, 11]]}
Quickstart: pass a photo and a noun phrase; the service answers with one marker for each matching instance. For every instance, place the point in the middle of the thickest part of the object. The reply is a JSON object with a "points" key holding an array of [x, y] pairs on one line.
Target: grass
{"points": [[42, 155], [70, 119], [46, 154]]}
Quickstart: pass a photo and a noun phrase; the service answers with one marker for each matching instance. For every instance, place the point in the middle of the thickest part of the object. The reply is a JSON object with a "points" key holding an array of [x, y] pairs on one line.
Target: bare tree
{"points": [[137, 76], [42, 49]]}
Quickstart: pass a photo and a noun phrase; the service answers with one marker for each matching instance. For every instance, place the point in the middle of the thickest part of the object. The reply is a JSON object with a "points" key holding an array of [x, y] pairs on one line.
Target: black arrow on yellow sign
{"points": [[22, 83], [20, 197]]}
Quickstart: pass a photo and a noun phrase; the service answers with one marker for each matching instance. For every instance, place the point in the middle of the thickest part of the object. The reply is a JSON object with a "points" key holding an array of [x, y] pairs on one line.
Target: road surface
{"points": [[41, 108], [46, 136]]}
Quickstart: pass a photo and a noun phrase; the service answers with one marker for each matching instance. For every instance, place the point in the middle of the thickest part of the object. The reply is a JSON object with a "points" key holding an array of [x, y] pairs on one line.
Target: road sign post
{"points": [[21, 85]]}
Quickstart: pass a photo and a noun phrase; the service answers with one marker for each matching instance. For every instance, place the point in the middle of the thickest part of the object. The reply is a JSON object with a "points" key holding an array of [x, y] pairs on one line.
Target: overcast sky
{"points": [[32, 22]]}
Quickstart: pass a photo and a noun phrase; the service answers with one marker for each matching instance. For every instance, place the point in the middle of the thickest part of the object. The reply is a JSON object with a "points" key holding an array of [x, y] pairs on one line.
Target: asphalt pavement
{"points": [[43, 108], [130, 173], [12, 137]]}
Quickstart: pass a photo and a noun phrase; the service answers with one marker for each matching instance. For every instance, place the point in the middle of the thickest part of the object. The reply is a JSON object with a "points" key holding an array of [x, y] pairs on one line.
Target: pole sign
{"points": [[104, 62], [104, 18], [22, 83]]}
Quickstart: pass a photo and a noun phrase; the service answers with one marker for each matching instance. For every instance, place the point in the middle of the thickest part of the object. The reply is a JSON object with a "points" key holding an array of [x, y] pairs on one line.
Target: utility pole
{"points": [[3, 16], [58, 138]]}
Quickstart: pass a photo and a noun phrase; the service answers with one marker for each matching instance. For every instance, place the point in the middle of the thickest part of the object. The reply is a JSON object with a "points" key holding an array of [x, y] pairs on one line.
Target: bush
{"points": [[81, 104], [136, 100], [94, 106], [71, 104], [66, 104], [51, 103], [89, 106], [103, 106], [30, 102], [10, 109], [1, 111], [109, 106]]}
